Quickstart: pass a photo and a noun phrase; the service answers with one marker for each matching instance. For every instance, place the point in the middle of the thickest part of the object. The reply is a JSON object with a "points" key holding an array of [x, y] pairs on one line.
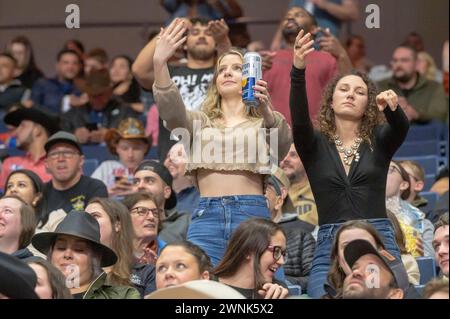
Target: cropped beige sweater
{"points": [[248, 146]]}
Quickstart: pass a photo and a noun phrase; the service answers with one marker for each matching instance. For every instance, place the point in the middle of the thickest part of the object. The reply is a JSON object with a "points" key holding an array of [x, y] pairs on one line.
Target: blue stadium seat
{"points": [[428, 132], [432, 199], [429, 163], [90, 165], [427, 268], [294, 290], [422, 148], [419, 289], [97, 151], [429, 181]]}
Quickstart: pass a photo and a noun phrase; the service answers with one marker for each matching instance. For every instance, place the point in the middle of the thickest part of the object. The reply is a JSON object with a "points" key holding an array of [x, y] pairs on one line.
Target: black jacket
{"points": [[175, 226], [300, 249], [143, 278], [11, 95]]}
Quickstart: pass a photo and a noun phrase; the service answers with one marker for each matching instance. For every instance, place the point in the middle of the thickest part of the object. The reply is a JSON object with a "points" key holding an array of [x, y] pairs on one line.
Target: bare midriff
{"points": [[213, 183]]}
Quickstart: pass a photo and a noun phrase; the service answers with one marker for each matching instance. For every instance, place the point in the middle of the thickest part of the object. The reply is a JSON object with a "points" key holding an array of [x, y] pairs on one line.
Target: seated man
{"points": [[33, 128], [440, 244], [69, 189], [153, 177], [56, 94], [11, 90], [422, 100], [91, 121], [375, 274], [131, 145], [300, 242], [187, 194], [301, 198]]}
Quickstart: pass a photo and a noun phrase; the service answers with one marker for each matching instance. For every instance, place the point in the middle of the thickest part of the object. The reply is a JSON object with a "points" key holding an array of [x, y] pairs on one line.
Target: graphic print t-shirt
{"points": [[76, 197], [193, 85]]}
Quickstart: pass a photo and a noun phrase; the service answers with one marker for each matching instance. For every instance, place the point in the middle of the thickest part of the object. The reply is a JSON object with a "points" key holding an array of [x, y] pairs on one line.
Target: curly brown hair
{"points": [[371, 117]]}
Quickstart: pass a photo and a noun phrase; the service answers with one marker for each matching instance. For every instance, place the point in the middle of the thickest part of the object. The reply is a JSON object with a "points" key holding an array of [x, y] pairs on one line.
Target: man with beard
{"points": [[34, 126], [322, 66], [204, 39], [302, 199], [422, 100], [69, 189], [154, 178], [375, 274], [56, 94]]}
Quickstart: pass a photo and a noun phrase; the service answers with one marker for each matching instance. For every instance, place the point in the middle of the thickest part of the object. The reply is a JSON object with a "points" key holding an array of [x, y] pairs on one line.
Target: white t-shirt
{"points": [[109, 170]]}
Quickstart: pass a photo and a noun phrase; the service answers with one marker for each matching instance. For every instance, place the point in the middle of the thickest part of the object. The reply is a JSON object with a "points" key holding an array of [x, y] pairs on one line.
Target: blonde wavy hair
{"points": [[370, 119], [431, 70], [212, 104]]}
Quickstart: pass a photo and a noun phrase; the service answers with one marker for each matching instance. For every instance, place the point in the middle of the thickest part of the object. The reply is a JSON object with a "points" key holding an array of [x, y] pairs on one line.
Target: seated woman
{"points": [[180, 262], [75, 249], [124, 84], [410, 263], [18, 224], [417, 229], [116, 232], [27, 185], [50, 281], [145, 218], [131, 144], [256, 250]]}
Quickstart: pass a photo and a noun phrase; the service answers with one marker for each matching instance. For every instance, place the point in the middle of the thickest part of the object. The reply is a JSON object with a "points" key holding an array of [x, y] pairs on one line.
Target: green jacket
{"points": [[99, 289], [427, 97]]}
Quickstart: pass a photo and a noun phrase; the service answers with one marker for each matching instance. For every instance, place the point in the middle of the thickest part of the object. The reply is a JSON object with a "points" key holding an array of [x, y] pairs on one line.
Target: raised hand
{"points": [[302, 47], [169, 40], [219, 30], [386, 98]]}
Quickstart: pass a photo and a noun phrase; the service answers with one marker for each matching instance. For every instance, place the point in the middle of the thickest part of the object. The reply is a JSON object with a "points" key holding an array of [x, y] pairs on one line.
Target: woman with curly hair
{"points": [[347, 160]]}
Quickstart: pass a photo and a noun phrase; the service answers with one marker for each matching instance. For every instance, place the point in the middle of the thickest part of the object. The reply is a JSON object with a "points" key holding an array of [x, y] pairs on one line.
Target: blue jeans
{"points": [[322, 262], [215, 219]]}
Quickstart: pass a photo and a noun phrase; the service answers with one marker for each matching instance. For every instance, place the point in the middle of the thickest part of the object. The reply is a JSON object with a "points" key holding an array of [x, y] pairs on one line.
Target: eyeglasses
{"points": [[64, 154], [392, 169], [413, 177], [278, 252], [143, 211]]}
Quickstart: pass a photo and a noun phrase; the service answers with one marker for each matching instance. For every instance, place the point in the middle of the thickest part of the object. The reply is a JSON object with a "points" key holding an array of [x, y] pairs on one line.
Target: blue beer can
{"points": [[251, 73]]}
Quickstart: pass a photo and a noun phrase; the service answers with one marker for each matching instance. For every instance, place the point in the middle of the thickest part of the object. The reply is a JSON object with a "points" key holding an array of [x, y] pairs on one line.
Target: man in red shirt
{"points": [[34, 127], [323, 65]]}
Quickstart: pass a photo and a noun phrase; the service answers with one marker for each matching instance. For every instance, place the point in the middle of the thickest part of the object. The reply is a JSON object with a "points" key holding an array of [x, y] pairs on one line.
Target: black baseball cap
{"points": [[62, 137], [164, 174], [358, 248]]}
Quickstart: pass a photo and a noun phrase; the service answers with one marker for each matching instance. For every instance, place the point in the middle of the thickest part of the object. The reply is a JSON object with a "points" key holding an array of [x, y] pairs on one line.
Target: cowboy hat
{"points": [[81, 225], [129, 128]]}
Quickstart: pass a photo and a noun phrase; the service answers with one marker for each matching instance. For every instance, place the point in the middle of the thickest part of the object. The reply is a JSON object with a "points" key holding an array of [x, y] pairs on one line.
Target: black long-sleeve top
{"points": [[361, 194]]}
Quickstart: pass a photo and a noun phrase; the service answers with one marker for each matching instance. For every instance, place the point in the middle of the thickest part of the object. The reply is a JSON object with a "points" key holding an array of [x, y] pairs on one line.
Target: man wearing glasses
{"points": [[69, 189]]}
